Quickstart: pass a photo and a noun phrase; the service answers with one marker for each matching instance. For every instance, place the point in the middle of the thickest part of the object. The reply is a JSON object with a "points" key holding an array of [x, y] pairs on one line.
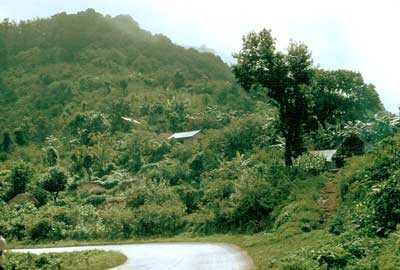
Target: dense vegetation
{"points": [[364, 234], [86, 106]]}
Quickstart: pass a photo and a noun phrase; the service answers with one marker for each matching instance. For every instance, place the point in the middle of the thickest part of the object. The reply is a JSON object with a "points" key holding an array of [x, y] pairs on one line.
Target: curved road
{"points": [[179, 256]]}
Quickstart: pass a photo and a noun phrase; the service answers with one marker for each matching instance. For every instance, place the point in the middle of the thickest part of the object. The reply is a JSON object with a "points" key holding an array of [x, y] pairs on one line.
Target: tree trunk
{"points": [[288, 152]]}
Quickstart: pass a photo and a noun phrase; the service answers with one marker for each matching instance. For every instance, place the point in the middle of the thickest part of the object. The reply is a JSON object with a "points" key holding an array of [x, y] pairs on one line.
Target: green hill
{"points": [[87, 103]]}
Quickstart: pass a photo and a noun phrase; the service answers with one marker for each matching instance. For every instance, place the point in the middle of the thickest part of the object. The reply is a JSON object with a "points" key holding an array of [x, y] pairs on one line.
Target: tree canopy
{"points": [[343, 91], [284, 77]]}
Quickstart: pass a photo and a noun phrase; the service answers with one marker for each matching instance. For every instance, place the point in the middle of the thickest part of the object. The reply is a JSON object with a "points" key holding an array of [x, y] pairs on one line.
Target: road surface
{"points": [[179, 256]]}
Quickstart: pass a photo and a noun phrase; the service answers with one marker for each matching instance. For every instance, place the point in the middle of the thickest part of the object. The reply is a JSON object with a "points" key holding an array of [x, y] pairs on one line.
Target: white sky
{"points": [[353, 34]]}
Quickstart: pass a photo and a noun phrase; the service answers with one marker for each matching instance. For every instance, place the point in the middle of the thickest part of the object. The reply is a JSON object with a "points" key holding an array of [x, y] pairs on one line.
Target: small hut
{"points": [[185, 136], [329, 156]]}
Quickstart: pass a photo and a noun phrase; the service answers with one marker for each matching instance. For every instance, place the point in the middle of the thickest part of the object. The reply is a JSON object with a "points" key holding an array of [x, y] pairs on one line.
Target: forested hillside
{"points": [[87, 103]]}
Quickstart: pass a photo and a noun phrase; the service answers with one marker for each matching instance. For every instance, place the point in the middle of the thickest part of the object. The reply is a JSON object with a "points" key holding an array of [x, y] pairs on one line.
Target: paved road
{"points": [[179, 256]]}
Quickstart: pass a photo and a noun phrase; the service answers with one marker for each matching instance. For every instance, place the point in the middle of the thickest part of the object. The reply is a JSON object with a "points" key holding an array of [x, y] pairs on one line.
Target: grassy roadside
{"points": [[299, 227], [262, 248], [84, 260]]}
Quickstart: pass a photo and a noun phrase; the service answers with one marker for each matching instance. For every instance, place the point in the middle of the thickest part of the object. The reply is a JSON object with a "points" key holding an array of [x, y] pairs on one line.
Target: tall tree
{"points": [[284, 77]]}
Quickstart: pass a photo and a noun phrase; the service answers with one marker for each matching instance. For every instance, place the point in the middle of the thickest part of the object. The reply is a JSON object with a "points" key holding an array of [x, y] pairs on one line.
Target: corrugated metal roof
{"points": [[130, 120], [184, 135], [326, 154]]}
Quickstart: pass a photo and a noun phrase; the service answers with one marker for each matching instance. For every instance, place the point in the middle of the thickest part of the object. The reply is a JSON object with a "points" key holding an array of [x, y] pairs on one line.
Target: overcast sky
{"points": [[357, 35]]}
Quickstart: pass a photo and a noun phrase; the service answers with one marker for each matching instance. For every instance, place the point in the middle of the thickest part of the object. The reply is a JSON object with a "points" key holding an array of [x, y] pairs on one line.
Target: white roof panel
{"points": [[130, 120], [327, 154], [183, 135]]}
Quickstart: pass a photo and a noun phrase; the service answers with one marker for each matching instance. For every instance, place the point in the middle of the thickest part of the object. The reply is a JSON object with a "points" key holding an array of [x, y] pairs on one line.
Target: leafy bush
{"points": [[334, 257], [55, 181], [384, 201], [118, 223], [43, 230], [96, 200], [19, 179], [153, 219], [40, 195], [243, 135], [310, 163]]}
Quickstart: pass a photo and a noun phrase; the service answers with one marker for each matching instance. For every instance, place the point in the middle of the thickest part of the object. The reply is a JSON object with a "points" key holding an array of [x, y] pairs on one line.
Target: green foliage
{"points": [[88, 125], [384, 201], [87, 163], [123, 84], [19, 179], [7, 95], [52, 156], [287, 78], [55, 181], [85, 260], [96, 200], [241, 194], [373, 190], [42, 230], [20, 137], [298, 217], [190, 196], [40, 195], [153, 219], [70, 91], [119, 109], [7, 142], [243, 136], [343, 91], [178, 80], [309, 164]]}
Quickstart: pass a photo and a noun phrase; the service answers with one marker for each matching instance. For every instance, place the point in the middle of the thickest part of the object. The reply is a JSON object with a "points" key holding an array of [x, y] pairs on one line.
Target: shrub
{"points": [[243, 135], [96, 200], [55, 181], [136, 199], [153, 219], [19, 179], [190, 196], [118, 223], [20, 136], [44, 229], [309, 164], [384, 201], [333, 257], [52, 156], [40, 195]]}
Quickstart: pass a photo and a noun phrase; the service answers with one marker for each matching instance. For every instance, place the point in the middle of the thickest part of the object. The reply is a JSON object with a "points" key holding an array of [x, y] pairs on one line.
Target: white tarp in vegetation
{"points": [[184, 135]]}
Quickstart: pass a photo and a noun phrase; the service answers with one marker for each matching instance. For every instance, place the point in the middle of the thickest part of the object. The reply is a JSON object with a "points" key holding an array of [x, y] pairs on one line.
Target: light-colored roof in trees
{"points": [[130, 120], [326, 154], [184, 135]]}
